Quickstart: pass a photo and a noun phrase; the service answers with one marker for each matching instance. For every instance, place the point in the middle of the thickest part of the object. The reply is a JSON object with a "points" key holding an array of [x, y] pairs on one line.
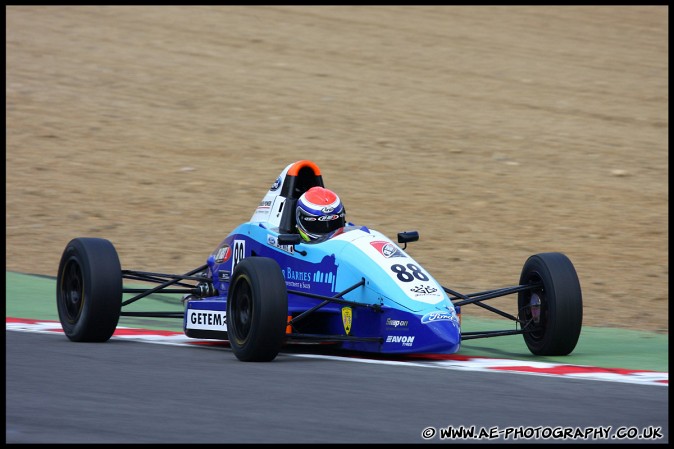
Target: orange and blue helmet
{"points": [[319, 213]]}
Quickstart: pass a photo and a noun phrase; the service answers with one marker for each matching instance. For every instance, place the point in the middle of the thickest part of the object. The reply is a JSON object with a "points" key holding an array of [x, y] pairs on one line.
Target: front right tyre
{"points": [[257, 310]]}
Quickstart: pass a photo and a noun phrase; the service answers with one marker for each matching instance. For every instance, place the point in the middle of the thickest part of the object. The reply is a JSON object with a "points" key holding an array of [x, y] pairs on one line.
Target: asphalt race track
{"points": [[497, 132], [130, 392]]}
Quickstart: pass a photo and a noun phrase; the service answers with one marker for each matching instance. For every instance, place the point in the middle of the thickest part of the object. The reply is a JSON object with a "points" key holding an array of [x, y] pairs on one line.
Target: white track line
{"points": [[482, 364]]}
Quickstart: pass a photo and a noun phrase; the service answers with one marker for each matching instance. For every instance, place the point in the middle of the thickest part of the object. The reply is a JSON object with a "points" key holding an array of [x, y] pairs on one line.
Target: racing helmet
{"points": [[319, 213]]}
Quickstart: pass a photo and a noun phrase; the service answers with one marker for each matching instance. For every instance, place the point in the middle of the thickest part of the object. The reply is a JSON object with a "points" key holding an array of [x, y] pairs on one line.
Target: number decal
{"points": [[402, 273], [406, 276], [417, 272], [239, 252]]}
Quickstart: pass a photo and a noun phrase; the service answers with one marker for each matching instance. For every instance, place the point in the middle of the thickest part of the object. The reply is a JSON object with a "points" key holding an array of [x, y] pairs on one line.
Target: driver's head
{"points": [[319, 213]]}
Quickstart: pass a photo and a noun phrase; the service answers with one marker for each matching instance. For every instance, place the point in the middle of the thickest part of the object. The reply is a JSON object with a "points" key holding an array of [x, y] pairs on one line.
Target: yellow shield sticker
{"points": [[347, 316]]}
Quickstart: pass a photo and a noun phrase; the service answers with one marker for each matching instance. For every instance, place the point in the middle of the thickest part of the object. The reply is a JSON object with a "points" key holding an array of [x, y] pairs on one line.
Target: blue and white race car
{"points": [[264, 287]]}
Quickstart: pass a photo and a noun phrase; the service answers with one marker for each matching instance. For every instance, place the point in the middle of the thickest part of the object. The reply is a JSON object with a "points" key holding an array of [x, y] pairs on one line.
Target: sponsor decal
{"points": [[327, 209], [390, 322], [404, 340], [297, 278], [296, 275], [419, 283], [423, 290], [223, 254], [387, 249], [264, 204], [432, 317], [347, 319], [322, 218], [223, 275], [276, 184], [214, 320], [320, 278], [273, 241]]}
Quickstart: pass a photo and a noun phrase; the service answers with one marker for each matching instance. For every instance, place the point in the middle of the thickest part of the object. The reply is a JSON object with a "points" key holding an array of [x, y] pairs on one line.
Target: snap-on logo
{"points": [[390, 322]]}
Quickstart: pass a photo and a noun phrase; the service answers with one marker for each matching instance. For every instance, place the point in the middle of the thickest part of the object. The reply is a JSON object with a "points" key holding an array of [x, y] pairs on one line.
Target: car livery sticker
{"points": [[269, 209], [275, 186], [387, 249], [212, 320], [396, 324], [273, 241], [264, 205], [347, 319], [239, 252], [223, 254], [423, 290], [403, 269], [403, 340], [318, 278], [302, 279], [432, 317]]}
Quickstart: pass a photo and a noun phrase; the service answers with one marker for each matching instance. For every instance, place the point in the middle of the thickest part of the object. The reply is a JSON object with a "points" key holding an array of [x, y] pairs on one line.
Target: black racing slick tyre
{"points": [[89, 290], [552, 315], [257, 310]]}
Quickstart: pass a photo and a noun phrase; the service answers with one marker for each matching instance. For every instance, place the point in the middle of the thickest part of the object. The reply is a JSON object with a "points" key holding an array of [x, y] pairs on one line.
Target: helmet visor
{"points": [[321, 224]]}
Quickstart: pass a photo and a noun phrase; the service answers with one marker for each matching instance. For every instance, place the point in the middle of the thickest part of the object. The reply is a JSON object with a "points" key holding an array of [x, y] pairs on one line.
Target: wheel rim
{"points": [[242, 310], [534, 311], [72, 291]]}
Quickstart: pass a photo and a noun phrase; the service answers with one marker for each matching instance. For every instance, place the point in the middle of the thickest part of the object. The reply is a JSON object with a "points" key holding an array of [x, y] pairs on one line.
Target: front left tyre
{"points": [[89, 290], [552, 313]]}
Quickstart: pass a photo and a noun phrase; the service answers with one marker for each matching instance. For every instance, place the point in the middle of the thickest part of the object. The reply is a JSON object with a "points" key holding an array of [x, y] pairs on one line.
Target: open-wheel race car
{"points": [[264, 286]]}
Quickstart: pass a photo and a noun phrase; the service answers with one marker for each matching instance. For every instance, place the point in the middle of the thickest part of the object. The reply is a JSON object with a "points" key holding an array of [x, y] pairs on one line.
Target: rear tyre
{"points": [[89, 290], [257, 309], [553, 314]]}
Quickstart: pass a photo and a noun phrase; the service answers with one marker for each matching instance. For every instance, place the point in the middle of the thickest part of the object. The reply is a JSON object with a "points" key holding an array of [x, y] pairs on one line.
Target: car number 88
{"points": [[408, 276]]}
